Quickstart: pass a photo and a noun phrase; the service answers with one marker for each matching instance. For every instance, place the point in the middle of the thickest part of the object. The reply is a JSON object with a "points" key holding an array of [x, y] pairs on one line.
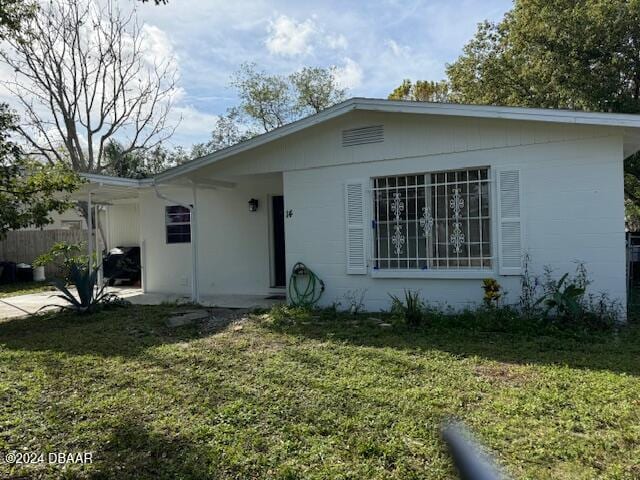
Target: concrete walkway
{"points": [[23, 305]]}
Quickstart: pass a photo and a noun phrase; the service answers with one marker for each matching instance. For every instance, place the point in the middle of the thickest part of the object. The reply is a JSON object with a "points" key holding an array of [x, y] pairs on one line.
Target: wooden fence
{"points": [[24, 246]]}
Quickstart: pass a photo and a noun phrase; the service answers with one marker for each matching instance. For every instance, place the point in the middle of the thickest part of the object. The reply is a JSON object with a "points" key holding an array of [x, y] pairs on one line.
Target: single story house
{"points": [[377, 196]]}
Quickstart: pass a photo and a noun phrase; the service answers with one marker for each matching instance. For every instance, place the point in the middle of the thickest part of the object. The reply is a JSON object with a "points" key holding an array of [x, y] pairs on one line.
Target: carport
{"points": [[101, 192]]}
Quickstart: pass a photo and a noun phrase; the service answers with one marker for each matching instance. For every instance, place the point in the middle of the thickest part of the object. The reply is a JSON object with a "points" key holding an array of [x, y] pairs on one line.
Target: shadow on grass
{"points": [[608, 351], [134, 452], [123, 331]]}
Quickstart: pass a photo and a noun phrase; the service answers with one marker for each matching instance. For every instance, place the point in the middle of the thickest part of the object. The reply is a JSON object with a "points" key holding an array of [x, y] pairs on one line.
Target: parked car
{"points": [[122, 265]]}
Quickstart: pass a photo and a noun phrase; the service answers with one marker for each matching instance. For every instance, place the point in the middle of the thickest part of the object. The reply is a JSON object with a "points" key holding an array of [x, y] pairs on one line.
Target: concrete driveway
{"points": [[23, 305]]}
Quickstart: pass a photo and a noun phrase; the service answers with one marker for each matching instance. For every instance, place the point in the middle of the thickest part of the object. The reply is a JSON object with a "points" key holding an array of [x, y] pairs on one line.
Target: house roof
{"points": [[628, 122]]}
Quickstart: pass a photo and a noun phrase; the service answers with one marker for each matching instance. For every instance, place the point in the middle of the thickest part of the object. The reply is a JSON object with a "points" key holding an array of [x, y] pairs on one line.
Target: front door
{"points": [[278, 241]]}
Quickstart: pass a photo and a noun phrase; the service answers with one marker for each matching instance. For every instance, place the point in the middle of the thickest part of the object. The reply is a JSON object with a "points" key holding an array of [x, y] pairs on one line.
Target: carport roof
{"points": [[105, 189]]}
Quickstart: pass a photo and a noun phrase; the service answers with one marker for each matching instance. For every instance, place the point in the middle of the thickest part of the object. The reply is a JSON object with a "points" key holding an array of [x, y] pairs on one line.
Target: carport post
{"points": [[98, 246], [90, 231], [194, 246]]}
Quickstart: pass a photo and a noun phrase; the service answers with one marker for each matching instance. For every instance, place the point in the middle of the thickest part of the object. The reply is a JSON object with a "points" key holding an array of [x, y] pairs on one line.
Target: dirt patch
{"points": [[504, 374], [221, 318]]}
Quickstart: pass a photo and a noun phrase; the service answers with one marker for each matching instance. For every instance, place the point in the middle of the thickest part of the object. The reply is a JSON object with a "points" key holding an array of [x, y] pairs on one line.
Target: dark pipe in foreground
{"points": [[471, 462]]}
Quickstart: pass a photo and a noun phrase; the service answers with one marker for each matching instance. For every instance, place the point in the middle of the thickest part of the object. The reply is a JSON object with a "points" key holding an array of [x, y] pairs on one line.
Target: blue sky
{"points": [[374, 44]]}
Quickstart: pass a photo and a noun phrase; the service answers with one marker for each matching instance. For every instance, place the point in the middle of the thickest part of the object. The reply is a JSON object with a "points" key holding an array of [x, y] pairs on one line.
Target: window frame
{"points": [[168, 224], [436, 273]]}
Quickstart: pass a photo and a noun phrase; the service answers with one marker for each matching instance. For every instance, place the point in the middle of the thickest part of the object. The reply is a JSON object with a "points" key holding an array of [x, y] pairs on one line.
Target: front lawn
{"points": [[311, 398]]}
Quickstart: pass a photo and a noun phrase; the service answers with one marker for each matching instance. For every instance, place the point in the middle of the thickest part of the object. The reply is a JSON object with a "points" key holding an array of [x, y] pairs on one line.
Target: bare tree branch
{"points": [[85, 76]]}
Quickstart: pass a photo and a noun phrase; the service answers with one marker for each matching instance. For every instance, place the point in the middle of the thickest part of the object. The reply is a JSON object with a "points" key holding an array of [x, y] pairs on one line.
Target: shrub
{"points": [[90, 296], [64, 255], [566, 300], [354, 301], [289, 314], [563, 298], [492, 292], [528, 289], [412, 309]]}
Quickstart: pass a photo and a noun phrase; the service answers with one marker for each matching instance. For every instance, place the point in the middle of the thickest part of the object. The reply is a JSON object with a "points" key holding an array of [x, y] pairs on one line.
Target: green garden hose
{"points": [[312, 288]]}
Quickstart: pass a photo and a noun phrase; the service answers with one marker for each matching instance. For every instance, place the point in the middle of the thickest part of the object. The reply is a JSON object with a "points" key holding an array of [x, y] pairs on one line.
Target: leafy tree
{"points": [[228, 131], [13, 14], [421, 91], [271, 101], [577, 54], [138, 164], [581, 54], [315, 89], [265, 99], [29, 190]]}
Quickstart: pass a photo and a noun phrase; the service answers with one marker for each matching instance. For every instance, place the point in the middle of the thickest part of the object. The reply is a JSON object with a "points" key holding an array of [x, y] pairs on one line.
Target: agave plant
{"points": [[90, 294]]}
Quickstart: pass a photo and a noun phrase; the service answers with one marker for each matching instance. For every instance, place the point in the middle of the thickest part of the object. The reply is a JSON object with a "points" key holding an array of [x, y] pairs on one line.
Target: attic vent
{"points": [[361, 136]]}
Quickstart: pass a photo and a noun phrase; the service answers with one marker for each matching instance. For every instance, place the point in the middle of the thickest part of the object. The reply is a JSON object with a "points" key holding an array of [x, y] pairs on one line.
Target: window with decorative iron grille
{"points": [[438, 221]]}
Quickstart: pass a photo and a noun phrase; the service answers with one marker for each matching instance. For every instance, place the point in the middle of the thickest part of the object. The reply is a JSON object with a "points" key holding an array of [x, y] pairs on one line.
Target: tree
{"points": [[315, 89], [138, 164], [13, 13], [421, 91], [265, 99], [271, 101], [581, 54], [29, 190], [577, 54], [84, 78]]}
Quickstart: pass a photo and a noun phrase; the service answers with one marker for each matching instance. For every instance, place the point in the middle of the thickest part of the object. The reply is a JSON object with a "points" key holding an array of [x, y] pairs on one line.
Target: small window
{"points": [[178, 223], [72, 224], [433, 221]]}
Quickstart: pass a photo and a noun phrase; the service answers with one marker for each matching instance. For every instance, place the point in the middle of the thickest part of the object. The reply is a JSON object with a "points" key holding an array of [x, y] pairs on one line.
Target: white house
{"points": [[380, 196]]}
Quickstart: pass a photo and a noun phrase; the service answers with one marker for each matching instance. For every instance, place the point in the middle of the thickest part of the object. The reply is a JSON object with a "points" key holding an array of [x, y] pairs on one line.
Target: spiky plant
{"points": [[90, 294]]}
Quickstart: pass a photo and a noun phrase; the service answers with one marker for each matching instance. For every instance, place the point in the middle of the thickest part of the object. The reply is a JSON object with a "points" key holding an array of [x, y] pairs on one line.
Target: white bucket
{"points": [[38, 274]]}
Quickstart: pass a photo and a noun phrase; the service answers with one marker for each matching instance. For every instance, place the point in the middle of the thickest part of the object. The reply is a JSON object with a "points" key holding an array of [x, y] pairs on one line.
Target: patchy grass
{"points": [[24, 288], [311, 398]]}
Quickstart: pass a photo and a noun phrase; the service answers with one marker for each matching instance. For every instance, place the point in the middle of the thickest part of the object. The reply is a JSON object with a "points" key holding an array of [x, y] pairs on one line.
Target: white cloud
{"points": [[290, 38], [194, 126], [157, 46], [337, 42], [397, 49], [349, 75]]}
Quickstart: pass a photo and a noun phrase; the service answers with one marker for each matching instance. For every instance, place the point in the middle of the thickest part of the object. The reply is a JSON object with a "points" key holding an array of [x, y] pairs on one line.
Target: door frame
{"points": [[271, 243]]}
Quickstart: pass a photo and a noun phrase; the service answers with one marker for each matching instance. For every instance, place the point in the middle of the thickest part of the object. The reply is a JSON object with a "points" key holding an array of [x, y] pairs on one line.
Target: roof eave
{"points": [[329, 113]]}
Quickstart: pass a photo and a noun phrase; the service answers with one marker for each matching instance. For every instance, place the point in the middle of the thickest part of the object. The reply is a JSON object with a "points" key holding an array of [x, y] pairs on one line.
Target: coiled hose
{"points": [[301, 293]]}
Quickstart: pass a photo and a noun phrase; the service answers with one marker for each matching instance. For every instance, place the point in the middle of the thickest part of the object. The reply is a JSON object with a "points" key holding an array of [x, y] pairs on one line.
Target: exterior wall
{"points": [[571, 188], [572, 210], [233, 246], [406, 136], [123, 225]]}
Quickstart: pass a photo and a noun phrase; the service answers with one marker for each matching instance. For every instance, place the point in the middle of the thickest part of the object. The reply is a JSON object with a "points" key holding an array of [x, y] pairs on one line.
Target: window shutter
{"points": [[510, 224], [355, 227]]}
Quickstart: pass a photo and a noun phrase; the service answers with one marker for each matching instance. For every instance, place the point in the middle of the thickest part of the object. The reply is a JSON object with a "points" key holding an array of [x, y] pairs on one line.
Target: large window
{"points": [[178, 224], [434, 221]]}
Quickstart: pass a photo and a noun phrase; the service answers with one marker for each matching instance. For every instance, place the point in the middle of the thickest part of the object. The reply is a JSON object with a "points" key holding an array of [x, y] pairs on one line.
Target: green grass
{"points": [[314, 399], [23, 288]]}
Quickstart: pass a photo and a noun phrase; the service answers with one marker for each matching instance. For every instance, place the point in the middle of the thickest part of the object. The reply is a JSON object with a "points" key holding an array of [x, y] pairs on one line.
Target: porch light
{"points": [[253, 205]]}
